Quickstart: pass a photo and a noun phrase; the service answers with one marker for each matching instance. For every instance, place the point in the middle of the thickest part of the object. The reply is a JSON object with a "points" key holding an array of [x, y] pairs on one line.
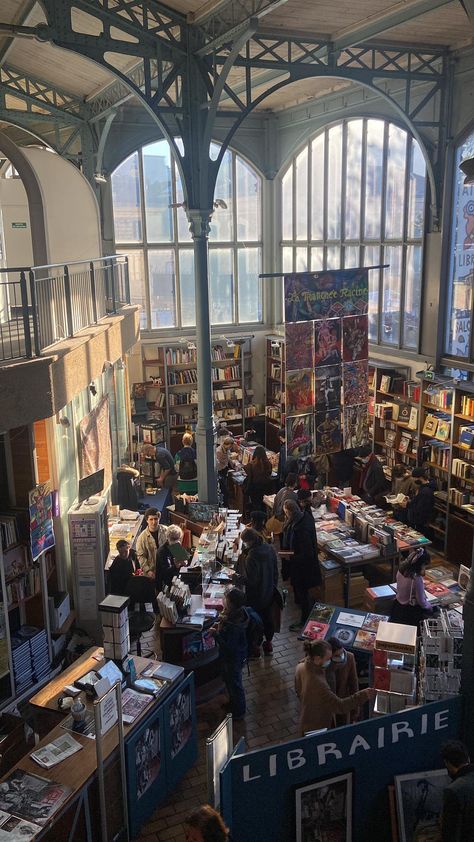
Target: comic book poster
{"points": [[316, 295], [299, 436], [328, 431], [355, 383], [355, 426], [355, 338], [327, 342], [327, 387], [299, 391], [299, 345]]}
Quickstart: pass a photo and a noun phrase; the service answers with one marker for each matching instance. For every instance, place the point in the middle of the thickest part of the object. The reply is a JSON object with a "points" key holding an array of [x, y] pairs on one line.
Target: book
{"points": [[385, 381], [133, 704], [345, 618], [167, 672], [443, 430], [404, 412], [321, 612], [413, 419], [466, 437], [31, 797], [430, 426], [151, 686], [371, 622], [394, 637], [53, 753], [344, 635], [364, 640], [315, 630]]}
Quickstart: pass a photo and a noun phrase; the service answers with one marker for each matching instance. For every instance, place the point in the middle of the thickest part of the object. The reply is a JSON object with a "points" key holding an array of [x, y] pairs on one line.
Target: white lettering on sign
{"points": [[358, 742], [295, 758], [325, 749], [441, 719], [401, 728]]}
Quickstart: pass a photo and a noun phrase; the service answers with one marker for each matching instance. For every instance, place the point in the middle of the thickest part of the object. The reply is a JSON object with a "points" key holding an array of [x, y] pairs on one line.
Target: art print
{"points": [[355, 426], [332, 294], [327, 342], [344, 635], [299, 345], [181, 720], [328, 431], [147, 758], [299, 391], [299, 436], [365, 640], [355, 338], [419, 803], [321, 612], [315, 630], [324, 810], [327, 388], [355, 383]]}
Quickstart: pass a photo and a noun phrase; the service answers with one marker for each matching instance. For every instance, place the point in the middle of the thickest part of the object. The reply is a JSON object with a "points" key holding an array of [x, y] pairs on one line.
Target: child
{"points": [[231, 633]]}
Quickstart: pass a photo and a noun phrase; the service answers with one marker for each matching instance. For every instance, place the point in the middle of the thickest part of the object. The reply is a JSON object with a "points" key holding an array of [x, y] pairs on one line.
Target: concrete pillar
{"points": [[199, 224]]}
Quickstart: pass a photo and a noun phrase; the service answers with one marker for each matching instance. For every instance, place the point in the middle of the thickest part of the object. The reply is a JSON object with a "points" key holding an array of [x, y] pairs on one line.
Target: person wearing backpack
{"points": [[186, 466], [260, 580]]}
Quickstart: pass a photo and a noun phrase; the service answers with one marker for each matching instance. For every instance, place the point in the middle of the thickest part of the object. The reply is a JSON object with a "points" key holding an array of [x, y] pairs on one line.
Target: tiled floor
{"points": [[272, 717]]}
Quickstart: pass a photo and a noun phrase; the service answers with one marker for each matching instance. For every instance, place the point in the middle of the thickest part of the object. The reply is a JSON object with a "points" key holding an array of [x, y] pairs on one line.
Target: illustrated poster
{"points": [[355, 426], [327, 342], [355, 340], [299, 435], [316, 295], [328, 431], [355, 383], [299, 345], [41, 519], [147, 758], [327, 387], [299, 391]]}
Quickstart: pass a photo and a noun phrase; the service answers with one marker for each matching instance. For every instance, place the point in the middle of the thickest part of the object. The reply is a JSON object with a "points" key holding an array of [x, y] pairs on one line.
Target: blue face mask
{"points": [[340, 659], [326, 664]]}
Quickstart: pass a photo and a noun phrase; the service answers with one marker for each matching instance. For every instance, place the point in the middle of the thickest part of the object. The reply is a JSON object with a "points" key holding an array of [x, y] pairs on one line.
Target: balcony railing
{"points": [[42, 305]]}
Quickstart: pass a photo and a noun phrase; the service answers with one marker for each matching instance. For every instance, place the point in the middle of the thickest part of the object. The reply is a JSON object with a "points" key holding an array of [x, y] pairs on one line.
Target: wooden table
{"points": [[184, 521]]}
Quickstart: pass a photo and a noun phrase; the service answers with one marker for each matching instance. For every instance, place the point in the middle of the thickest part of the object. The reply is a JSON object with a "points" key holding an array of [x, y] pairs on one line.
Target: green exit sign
{"points": [[19, 225]]}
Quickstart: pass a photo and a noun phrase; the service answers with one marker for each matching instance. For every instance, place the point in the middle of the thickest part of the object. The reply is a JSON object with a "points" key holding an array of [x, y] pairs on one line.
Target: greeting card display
{"points": [[328, 431], [327, 387], [355, 382], [327, 342], [299, 435], [355, 341], [299, 391], [355, 426], [299, 345]]}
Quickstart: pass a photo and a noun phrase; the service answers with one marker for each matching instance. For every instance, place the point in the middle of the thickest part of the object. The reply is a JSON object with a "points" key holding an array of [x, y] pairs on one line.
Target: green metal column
{"points": [[199, 221]]}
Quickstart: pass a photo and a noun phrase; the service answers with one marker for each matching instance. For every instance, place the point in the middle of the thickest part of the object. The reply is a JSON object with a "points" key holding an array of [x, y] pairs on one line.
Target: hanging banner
{"points": [[41, 519], [316, 295]]}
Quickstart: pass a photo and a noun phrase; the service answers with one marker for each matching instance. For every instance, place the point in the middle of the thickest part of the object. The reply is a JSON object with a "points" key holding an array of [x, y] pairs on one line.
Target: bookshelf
{"points": [[393, 414], [274, 390], [436, 429]]}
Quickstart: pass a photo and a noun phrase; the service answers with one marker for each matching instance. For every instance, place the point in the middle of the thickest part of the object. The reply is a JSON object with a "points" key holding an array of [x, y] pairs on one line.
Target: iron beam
{"points": [[230, 19], [468, 6], [375, 24]]}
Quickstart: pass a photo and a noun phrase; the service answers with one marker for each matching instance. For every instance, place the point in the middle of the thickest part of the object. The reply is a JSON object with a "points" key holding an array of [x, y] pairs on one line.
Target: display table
{"points": [[183, 520], [167, 724], [120, 529]]}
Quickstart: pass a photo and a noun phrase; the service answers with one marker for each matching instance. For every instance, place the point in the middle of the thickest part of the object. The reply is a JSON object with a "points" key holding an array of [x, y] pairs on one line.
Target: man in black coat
{"points": [[418, 511], [299, 538], [457, 821], [260, 579], [373, 480]]}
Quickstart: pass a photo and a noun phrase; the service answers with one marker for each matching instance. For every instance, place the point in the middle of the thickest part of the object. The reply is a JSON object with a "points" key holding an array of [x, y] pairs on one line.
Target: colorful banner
{"points": [[316, 295], [41, 519]]}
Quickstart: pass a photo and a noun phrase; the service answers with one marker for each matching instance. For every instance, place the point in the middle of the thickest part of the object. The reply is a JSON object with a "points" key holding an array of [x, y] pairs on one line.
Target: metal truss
{"points": [[227, 20], [37, 96]]}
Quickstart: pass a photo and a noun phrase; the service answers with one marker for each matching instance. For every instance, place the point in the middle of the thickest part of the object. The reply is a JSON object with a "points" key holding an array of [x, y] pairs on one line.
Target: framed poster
{"points": [[324, 810], [180, 741], [355, 338], [419, 804], [146, 772], [327, 391]]}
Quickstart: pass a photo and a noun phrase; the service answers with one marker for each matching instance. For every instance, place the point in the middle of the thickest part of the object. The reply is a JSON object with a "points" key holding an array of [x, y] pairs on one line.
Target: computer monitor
{"points": [[92, 484]]}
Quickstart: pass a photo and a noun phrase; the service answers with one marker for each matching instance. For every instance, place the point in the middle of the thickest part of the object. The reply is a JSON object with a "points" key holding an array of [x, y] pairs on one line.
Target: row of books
{"points": [[177, 356], [442, 398], [8, 530], [461, 498], [27, 585], [218, 353], [463, 469], [438, 453], [230, 372], [273, 412], [182, 378], [407, 444], [412, 390], [403, 413], [437, 425], [228, 394], [160, 400], [467, 405], [391, 384], [275, 371], [177, 420], [466, 436], [183, 398]]}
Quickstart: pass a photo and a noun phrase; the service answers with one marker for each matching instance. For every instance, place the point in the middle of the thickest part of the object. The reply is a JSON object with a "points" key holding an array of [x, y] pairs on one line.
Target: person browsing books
{"points": [[372, 479], [342, 676], [411, 606], [457, 818], [170, 558], [403, 482], [319, 704], [150, 540], [418, 511]]}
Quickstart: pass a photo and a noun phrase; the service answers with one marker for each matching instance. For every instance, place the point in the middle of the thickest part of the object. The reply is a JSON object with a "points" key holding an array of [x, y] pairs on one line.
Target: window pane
{"points": [[372, 258], [462, 260], [416, 196], [317, 259], [301, 197], [373, 178], [187, 289], [391, 295], [351, 257], [250, 309], [317, 191], [162, 288], [333, 257], [287, 204], [126, 199], [354, 165], [411, 323], [287, 259], [158, 192], [301, 260], [221, 286], [395, 184], [334, 182], [248, 185], [184, 234], [136, 274], [221, 223]]}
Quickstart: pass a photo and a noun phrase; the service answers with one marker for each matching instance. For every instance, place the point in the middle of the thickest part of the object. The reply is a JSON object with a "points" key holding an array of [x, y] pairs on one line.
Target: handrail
{"points": [[76, 262], [15, 269]]}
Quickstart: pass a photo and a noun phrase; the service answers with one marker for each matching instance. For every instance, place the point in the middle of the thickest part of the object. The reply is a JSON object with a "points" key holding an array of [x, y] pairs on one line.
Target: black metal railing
{"points": [[42, 305]]}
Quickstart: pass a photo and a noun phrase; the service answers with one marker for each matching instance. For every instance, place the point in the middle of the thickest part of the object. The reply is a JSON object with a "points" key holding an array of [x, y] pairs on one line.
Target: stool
{"points": [[139, 623]]}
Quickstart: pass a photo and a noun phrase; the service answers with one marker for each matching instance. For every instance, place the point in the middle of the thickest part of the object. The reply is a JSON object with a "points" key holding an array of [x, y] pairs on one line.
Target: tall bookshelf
{"points": [[436, 430], [274, 390], [393, 425], [460, 506]]}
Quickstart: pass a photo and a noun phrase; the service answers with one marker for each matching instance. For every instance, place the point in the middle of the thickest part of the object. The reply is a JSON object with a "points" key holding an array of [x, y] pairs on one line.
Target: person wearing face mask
{"points": [[319, 704], [342, 676], [418, 511], [457, 818]]}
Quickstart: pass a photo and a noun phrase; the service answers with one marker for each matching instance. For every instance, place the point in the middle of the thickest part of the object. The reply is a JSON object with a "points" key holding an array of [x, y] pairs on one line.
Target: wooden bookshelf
{"points": [[274, 390], [387, 386]]}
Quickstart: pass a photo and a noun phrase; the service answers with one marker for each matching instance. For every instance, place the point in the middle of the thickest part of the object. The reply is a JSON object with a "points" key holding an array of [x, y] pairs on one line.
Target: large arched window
{"points": [[355, 196], [461, 277], [151, 226]]}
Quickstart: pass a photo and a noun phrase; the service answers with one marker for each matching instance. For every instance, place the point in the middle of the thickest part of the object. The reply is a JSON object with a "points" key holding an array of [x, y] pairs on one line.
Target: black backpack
{"points": [[187, 464]]}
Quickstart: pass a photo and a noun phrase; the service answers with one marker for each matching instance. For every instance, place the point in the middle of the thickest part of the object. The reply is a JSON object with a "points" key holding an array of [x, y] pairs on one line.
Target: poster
{"points": [[355, 426], [327, 388], [327, 342], [419, 803], [299, 391], [299, 435], [328, 431], [96, 442], [324, 810], [313, 295], [41, 519], [299, 345], [181, 721], [355, 383], [147, 758], [355, 338]]}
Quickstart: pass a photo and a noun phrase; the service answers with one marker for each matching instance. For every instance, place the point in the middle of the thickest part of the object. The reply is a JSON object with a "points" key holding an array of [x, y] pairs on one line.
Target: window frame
{"points": [[234, 245], [382, 242]]}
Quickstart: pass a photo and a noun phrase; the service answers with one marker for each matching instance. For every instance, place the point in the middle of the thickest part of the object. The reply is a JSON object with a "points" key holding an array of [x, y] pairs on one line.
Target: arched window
{"points": [[355, 196], [461, 275], [151, 226]]}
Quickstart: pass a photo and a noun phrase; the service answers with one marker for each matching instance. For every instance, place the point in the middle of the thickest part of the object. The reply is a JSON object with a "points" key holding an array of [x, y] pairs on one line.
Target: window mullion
{"points": [[145, 240], [325, 208], [235, 268], [383, 200], [343, 194], [408, 150]]}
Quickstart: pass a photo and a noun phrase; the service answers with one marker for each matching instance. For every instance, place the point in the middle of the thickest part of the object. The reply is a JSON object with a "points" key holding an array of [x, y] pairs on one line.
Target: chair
{"points": [[141, 590]]}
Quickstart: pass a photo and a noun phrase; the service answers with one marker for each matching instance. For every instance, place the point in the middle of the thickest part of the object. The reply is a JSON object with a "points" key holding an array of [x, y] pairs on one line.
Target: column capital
{"points": [[199, 221]]}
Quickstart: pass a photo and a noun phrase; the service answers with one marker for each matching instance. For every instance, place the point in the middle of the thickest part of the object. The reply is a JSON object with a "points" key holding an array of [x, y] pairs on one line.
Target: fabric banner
{"points": [[41, 519], [96, 445], [326, 373]]}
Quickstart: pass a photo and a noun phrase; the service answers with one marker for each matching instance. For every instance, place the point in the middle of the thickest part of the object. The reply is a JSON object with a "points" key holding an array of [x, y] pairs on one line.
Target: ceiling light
{"points": [[100, 178]]}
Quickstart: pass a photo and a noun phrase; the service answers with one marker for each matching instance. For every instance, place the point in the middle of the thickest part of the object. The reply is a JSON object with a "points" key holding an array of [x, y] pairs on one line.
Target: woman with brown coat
{"points": [[342, 676], [319, 705]]}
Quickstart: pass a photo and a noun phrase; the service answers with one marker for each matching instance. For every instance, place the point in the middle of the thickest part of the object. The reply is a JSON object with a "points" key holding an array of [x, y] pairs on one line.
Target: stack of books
{"points": [[379, 600], [22, 663]]}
